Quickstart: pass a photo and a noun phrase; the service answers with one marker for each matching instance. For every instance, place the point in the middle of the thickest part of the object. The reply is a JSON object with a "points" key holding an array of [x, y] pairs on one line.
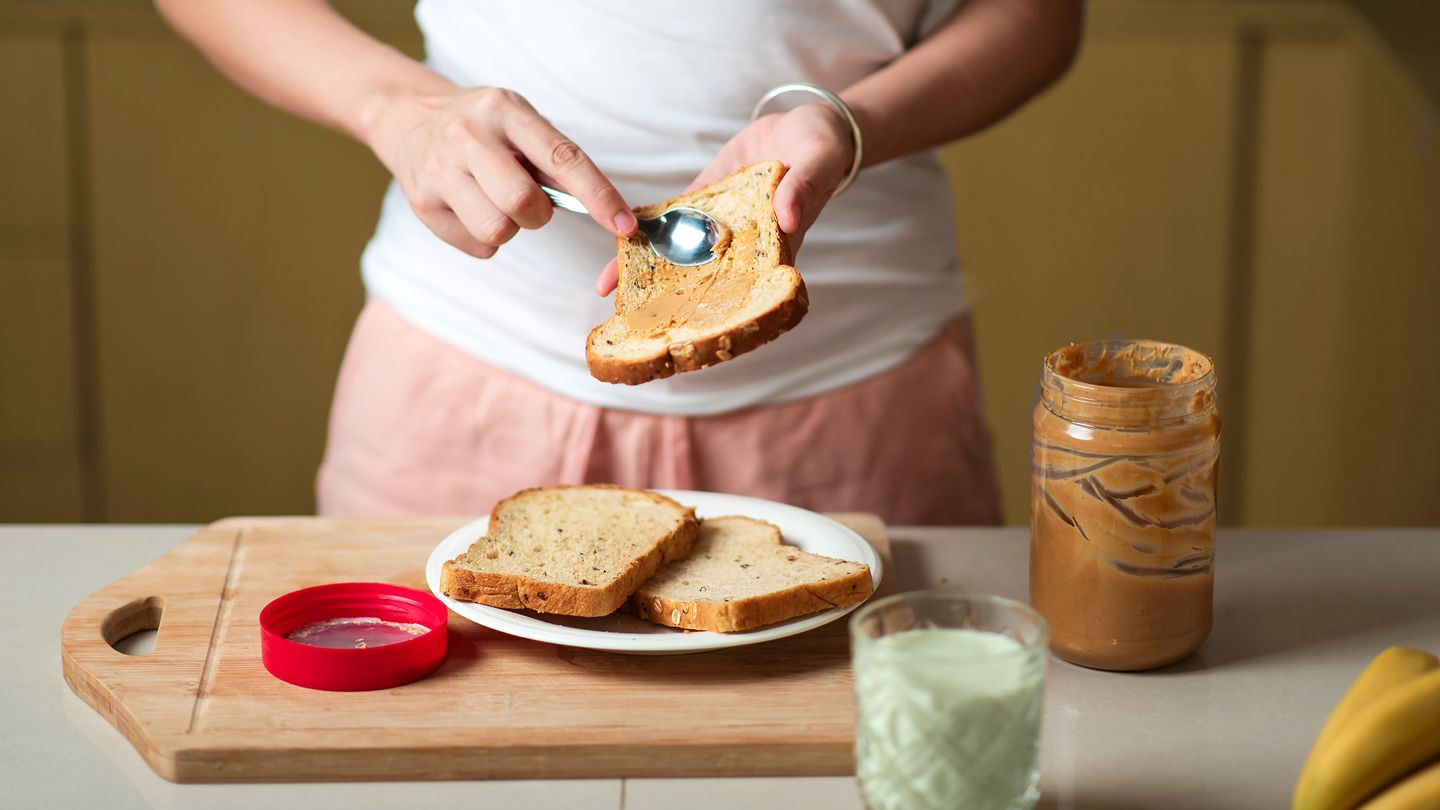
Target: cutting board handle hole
{"points": [[132, 627]]}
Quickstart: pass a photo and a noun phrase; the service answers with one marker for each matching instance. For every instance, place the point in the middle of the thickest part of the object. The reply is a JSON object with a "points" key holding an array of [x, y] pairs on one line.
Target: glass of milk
{"points": [[949, 688]]}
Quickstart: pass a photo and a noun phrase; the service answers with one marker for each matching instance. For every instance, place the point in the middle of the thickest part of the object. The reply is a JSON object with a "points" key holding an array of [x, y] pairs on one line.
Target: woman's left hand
{"points": [[812, 140]]}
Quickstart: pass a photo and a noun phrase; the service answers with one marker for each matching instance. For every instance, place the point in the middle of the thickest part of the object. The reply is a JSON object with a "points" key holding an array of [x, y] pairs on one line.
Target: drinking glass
{"points": [[950, 690]]}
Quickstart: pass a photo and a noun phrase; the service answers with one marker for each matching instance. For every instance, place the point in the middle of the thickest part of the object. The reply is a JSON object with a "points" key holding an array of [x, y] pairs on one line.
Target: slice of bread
{"points": [[573, 550], [740, 576], [670, 319]]}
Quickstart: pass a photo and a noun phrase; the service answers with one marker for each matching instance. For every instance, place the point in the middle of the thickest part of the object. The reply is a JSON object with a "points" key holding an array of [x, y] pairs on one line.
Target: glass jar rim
{"points": [[1099, 393]]}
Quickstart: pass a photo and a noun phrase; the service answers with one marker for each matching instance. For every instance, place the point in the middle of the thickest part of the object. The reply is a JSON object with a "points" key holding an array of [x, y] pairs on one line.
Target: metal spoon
{"points": [[683, 236]]}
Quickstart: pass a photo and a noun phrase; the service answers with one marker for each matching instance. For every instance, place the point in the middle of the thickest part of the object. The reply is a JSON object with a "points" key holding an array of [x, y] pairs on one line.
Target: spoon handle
{"points": [[562, 200]]}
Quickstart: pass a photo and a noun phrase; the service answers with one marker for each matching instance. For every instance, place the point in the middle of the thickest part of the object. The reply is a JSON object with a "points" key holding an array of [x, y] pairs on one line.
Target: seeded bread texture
{"points": [[763, 295], [740, 576], [577, 550]]}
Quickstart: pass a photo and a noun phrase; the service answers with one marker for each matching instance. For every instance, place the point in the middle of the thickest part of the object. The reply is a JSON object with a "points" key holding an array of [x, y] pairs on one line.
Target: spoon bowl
{"points": [[682, 236], [685, 236]]}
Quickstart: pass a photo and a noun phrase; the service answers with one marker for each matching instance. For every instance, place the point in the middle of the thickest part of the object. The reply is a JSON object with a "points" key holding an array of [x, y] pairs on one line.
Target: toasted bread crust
{"points": [[693, 355], [515, 591], [748, 614], [696, 354]]}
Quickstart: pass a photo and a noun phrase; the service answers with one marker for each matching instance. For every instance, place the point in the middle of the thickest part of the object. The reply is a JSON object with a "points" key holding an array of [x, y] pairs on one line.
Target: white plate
{"points": [[620, 632]]}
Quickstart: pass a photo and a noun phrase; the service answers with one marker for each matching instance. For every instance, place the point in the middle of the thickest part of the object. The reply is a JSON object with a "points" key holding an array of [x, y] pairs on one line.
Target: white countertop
{"points": [[1298, 615]]}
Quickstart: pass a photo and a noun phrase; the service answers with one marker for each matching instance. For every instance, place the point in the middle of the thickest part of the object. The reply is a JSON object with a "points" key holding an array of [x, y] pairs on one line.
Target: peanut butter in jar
{"points": [[1122, 495]]}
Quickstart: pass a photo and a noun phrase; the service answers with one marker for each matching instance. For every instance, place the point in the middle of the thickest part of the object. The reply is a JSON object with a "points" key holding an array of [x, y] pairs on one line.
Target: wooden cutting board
{"points": [[201, 708]]}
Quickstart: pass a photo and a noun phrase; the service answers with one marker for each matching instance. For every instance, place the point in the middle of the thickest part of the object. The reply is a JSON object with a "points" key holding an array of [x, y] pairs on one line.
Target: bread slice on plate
{"points": [[670, 319], [572, 550], [740, 576]]}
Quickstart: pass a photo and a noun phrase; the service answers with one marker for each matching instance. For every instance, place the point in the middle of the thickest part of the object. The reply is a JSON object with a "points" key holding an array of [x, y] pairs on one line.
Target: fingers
{"points": [[788, 201], [460, 213], [469, 172], [818, 155], [801, 195], [510, 188], [609, 279], [445, 224], [487, 223], [559, 157]]}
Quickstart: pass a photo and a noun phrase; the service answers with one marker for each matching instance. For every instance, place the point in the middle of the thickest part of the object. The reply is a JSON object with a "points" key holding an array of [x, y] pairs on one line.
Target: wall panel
{"points": [[40, 463]]}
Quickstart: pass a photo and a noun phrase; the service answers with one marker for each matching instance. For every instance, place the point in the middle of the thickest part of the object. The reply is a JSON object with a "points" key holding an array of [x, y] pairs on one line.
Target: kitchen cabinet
{"points": [[1259, 180]]}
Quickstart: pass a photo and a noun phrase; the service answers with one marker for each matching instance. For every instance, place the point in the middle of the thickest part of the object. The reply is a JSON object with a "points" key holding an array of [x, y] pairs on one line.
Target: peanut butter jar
{"points": [[1122, 496]]}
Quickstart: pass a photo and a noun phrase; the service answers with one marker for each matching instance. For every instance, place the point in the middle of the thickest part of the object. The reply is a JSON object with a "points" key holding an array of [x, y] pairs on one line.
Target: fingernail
{"points": [[794, 220], [625, 222]]}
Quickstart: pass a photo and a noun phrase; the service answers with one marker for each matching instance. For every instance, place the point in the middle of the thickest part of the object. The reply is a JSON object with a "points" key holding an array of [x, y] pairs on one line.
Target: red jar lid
{"points": [[349, 669]]}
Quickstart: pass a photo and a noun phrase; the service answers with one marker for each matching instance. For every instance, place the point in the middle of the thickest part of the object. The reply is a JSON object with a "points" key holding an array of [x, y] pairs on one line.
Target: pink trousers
{"points": [[421, 427]]}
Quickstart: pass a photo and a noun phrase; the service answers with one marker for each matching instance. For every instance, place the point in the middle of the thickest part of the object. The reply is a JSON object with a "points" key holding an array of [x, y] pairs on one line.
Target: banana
{"points": [[1388, 670], [1397, 732], [1420, 791]]}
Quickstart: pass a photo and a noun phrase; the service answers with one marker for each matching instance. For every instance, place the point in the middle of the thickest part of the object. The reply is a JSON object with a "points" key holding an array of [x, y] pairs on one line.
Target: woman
{"points": [[465, 379]]}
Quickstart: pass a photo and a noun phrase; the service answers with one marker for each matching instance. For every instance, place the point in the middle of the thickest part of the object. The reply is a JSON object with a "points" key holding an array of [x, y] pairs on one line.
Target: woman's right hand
{"points": [[468, 161]]}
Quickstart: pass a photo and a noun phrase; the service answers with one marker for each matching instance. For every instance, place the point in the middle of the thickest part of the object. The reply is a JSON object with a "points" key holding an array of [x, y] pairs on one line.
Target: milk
{"points": [[948, 718]]}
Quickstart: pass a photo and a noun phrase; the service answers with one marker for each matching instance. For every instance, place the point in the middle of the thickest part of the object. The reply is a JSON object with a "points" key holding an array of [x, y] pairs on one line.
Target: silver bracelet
{"points": [[856, 139]]}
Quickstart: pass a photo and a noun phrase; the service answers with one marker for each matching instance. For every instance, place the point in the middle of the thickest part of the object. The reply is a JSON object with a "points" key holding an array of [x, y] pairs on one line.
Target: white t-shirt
{"points": [[651, 90]]}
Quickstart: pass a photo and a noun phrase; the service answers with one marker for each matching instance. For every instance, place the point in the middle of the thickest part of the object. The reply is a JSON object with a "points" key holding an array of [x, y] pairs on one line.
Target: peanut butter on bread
{"points": [[669, 319]]}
